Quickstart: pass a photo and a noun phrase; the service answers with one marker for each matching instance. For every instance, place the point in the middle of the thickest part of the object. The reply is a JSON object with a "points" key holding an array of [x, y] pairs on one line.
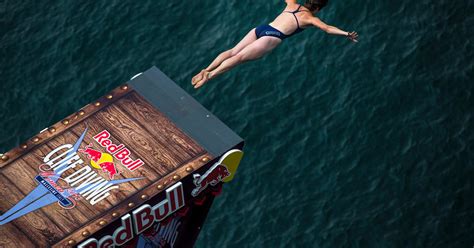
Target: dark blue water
{"points": [[347, 145]]}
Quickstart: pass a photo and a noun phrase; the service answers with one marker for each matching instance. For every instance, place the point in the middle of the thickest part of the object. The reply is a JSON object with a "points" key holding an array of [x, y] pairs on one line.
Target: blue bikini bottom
{"points": [[267, 30]]}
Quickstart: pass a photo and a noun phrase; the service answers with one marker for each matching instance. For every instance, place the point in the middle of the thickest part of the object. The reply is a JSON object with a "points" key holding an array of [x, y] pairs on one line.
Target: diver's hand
{"points": [[353, 36]]}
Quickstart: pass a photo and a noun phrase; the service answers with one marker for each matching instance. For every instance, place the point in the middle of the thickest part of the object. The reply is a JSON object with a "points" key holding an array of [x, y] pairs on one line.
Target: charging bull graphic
{"points": [[221, 171], [91, 153], [212, 177], [100, 160]]}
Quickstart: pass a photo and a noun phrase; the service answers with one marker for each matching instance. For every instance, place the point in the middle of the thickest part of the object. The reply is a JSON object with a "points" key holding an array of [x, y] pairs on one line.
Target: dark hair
{"points": [[313, 5]]}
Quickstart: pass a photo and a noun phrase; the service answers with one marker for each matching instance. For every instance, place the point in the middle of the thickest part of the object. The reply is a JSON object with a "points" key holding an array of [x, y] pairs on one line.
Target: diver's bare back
{"points": [[285, 22]]}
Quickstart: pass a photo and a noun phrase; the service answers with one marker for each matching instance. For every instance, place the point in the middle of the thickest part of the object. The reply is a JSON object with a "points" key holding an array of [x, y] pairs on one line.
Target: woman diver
{"points": [[264, 38]]}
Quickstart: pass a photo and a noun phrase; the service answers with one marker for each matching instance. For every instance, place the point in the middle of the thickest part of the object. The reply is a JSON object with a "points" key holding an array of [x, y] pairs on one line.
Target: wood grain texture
{"points": [[158, 125], [66, 220], [13, 237], [161, 156], [35, 224]]}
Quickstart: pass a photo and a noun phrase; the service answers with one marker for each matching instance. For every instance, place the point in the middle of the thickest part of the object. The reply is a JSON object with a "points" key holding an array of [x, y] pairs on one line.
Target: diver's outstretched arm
{"points": [[291, 1], [333, 30]]}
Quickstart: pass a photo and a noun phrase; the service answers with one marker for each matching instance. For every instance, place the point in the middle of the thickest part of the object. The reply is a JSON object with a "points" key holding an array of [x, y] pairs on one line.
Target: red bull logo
{"points": [[100, 160], [212, 177], [119, 152], [221, 171]]}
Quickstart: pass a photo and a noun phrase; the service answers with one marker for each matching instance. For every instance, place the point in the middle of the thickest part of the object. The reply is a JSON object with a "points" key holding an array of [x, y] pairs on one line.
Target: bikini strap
{"points": [[298, 9], [297, 22], [294, 11], [294, 14]]}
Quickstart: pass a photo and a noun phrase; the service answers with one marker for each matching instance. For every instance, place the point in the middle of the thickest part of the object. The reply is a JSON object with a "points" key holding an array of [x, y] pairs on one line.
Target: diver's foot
{"points": [[198, 77], [204, 80]]}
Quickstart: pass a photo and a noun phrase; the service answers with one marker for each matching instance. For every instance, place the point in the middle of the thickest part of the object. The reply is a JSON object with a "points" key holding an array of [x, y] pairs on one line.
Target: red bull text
{"points": [[120, 152], [141, 219]]}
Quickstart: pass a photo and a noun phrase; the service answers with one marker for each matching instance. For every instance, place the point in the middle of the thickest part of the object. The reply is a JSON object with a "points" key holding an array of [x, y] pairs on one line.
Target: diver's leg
{"points": [[255, 50], [248, 39]]}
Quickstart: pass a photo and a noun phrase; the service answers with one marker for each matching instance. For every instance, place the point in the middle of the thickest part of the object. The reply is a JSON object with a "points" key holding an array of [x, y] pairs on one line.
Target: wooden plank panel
{"points": [[158, 125], [125, 128], [11, 237], [35, 224]]}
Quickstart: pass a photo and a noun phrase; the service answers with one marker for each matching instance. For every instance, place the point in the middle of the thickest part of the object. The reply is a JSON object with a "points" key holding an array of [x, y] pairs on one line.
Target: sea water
{"points": [[347, 145]]}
